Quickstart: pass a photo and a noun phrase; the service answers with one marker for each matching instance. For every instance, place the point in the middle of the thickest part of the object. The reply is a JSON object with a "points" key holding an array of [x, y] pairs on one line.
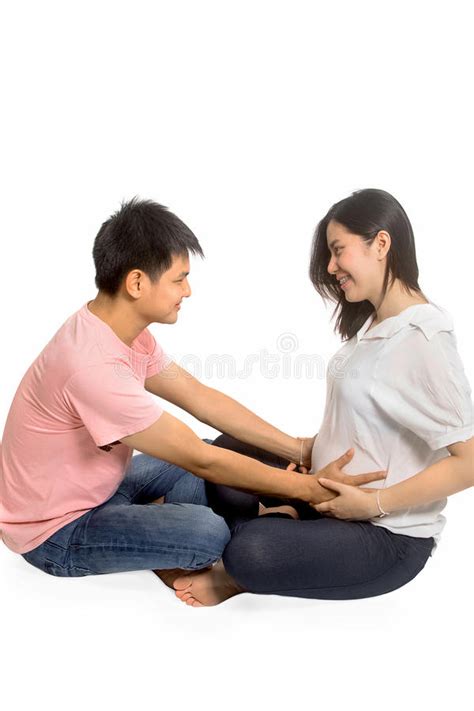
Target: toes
{"points": [[183, 582], [182, 594], [185, 597], [188, 599]]}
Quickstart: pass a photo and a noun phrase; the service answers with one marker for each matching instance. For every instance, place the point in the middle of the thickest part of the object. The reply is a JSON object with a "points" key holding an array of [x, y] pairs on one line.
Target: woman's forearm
{"points": [[446, 477]]}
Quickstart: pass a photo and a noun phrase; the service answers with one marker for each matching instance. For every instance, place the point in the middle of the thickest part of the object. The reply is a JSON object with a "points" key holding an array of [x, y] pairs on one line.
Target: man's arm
{"points": [[170, 439], [175, 442], [213, 408]]}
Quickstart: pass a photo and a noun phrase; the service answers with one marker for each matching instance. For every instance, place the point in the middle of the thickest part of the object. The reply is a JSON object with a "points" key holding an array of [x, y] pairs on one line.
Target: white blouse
{"points": [[398, 395]]}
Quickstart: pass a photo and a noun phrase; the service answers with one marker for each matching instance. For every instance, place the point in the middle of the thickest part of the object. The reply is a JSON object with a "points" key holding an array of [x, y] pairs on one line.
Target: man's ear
{"points": [[134, 283]]}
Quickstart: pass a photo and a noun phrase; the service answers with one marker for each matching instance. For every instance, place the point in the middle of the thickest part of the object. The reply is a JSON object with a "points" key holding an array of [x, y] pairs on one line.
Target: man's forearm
{"points": [[229, 416], [225, 467]]}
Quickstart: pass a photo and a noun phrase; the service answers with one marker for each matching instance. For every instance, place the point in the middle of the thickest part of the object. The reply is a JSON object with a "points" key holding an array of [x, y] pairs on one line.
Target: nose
{"points": [[187, 289], [332, 268]]}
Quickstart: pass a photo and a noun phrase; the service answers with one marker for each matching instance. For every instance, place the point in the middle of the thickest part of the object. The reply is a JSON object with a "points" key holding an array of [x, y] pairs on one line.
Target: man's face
{"points": [[162, 300]]}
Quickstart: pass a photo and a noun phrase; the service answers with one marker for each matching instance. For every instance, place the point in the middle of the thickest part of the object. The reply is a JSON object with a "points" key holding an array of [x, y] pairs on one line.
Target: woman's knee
{"points": [[231, 503], [250, 555], [227, 442]]}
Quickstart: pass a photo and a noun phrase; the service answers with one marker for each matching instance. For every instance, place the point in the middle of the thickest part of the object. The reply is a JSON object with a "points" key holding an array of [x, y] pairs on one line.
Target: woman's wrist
{"points": [[377, 508]]}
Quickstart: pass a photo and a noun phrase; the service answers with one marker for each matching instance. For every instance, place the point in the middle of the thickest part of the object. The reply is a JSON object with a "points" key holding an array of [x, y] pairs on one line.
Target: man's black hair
{"points": [[141, 235]]}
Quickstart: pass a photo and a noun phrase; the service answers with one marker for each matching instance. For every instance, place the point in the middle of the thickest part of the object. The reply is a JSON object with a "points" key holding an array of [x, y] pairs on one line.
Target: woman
{"points": [[396, 393]]}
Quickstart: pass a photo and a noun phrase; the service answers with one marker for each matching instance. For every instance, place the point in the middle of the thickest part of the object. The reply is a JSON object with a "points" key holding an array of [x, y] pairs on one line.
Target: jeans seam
{"points": [[137, 549], [194, 496], [150, 481], [55, 545], [64, 567]]}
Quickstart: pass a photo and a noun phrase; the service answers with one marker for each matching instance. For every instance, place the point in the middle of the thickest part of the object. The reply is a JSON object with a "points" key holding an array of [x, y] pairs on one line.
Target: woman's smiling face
{"points": [[357, 265]]}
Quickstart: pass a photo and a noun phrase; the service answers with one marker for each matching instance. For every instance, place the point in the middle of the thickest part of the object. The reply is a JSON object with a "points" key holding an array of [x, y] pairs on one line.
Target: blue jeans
{"points": [[128, 532]]}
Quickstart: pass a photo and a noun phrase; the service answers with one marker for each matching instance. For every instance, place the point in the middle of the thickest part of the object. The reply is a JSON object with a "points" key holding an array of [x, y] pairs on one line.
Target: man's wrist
{"points": [[311, 491], [305, 489], [297, 450], [292, 449]]}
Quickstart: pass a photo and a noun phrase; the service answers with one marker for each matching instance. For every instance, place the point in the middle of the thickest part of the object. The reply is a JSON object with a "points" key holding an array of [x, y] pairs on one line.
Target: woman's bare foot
{"points": [[208, 587], [290, 510]]}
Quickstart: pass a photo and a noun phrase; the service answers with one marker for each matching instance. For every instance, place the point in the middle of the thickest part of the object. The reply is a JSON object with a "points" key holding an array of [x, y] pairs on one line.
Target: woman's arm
{"points": [[446, 477]]}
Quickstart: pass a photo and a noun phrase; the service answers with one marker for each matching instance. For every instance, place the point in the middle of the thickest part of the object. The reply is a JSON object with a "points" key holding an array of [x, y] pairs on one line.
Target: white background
{"points": [[249, 120]]}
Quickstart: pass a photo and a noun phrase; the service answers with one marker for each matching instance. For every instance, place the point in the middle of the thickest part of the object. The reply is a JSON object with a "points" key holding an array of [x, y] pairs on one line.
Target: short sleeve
{"points": [[421, 385], [111, 402], [158, 360]]}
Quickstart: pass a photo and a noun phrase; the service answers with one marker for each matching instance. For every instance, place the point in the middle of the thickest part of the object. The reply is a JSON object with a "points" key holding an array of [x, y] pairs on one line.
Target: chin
{"points": [[169, 318], [354, 299]]}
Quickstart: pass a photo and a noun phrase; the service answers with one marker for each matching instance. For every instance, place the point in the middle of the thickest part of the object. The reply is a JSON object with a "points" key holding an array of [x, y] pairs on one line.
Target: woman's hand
{"points": [[351, 503]]}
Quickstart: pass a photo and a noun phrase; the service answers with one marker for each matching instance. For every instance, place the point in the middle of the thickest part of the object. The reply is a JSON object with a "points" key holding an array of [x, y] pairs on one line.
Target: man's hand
{"points": [[333, 471], [292, 467]]}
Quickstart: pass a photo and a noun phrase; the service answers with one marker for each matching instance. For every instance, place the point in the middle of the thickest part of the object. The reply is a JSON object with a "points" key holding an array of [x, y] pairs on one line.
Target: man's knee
{"points": [[209, 532]]}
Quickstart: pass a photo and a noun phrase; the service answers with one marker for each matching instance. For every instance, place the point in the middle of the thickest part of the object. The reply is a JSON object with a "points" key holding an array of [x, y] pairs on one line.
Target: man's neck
{"points": [[118, 317]]}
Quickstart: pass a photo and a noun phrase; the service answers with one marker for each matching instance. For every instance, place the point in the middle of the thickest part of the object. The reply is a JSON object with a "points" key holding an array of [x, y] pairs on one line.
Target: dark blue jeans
{"points": [[314, 557], [129, 532]]}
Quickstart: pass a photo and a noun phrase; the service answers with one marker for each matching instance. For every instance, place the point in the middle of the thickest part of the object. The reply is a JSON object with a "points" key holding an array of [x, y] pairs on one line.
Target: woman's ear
{"points": [[382, 244]]}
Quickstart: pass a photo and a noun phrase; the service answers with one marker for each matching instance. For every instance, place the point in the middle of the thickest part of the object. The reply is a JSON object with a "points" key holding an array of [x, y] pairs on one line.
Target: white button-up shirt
{"points": [[398, 394]]}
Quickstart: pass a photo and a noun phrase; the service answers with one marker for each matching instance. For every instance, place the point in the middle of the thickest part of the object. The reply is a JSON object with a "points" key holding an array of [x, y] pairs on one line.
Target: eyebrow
{"points": [[183, 274]]}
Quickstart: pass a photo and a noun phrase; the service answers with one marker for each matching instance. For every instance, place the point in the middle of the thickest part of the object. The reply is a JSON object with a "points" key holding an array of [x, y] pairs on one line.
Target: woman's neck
{"points": [[396, 300]]}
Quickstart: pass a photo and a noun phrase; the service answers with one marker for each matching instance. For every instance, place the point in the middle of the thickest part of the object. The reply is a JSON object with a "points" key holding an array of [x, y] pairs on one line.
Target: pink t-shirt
{"points": [[60, 455]]}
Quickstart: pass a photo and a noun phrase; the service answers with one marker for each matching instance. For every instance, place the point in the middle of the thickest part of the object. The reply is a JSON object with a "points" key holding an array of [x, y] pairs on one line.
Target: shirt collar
{"points": [[112, 342], [429, 318]]}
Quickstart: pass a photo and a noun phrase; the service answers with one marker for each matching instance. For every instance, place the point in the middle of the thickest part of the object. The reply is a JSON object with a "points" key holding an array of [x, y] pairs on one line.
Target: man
{"points": [[73, 500]]}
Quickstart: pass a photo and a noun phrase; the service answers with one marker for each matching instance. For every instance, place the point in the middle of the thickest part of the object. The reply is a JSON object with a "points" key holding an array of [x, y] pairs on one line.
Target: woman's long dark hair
{"points": [[364, 213]]}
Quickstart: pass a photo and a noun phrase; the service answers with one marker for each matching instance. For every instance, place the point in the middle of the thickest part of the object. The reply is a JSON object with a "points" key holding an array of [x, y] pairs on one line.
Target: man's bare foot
{"points": [[290, 510], [208, 587], [170, 575]]}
